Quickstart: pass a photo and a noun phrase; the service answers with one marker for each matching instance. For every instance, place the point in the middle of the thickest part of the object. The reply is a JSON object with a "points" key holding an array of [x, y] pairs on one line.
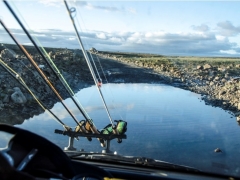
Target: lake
{"points": [[164, 123]]}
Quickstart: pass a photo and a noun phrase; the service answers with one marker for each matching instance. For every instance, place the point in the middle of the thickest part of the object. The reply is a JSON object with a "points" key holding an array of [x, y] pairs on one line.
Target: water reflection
{"points": [[164, 123]]}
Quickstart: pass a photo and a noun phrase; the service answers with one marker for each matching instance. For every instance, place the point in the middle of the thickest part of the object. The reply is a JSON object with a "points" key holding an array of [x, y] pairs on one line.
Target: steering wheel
{"points": [[29, 155]]}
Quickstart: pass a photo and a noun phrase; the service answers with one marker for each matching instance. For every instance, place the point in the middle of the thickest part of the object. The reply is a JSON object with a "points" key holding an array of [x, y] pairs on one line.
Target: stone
{"points": [[18, 97], [220, 69], [224, 80], [199, 67], [211, 83], [222, 92], [50, 53], [216, 78], [217, 150], [226, 75], [207, 66]]}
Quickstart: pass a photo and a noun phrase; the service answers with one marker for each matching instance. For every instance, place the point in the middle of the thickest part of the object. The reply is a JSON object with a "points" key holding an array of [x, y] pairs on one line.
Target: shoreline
{"points": [[216, 79], [205, 78]]}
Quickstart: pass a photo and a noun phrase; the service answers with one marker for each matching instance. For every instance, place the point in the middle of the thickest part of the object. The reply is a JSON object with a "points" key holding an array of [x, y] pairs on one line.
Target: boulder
{"points": [[18, 97], [207, 66]]}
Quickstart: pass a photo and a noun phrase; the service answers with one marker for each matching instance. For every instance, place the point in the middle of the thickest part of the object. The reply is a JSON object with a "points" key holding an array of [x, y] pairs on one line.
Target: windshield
{"points": [[161, 75]]}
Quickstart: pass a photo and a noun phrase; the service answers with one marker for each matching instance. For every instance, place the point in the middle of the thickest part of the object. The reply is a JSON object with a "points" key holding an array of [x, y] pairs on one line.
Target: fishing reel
{"points": [[120, 129], [81, 127]]}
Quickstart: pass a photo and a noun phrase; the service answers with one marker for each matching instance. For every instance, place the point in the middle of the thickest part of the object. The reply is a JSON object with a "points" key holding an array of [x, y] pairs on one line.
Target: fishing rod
{"points": [[15, 75], [53, 67], [89, 125], [90, 66], [59, 75], [94, 64], [38, 69], [100, 65], [101, 68]]}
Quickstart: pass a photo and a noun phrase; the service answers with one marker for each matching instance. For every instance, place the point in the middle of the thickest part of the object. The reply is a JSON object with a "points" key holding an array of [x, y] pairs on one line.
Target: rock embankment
{"points": [[17, 104]]}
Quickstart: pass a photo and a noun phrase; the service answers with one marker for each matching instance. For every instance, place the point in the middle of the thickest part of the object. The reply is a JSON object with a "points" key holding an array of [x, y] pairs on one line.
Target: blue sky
{"points": [[198, 28]]}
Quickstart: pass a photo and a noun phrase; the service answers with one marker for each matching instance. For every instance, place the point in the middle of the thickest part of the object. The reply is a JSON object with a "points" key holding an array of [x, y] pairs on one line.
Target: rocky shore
{"points": [[16, 103], [217, 79]]}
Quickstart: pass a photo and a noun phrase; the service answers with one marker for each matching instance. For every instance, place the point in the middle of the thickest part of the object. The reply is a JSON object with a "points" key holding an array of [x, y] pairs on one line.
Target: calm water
{"points": [[164, 123]]}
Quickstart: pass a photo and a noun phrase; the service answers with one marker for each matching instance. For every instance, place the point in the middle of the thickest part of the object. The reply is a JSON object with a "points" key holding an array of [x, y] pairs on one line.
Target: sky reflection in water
{"points": [[164, 123]]}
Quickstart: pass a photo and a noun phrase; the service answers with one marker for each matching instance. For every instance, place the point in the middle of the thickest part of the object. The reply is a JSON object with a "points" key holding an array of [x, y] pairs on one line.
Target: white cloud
{"points": [[50, 2], [232, 52], [101, 36], [221, 38], [90, 6], [115, 39], [38, 35], [226, 28], [160, 42], [72, 38], [201, 28]]}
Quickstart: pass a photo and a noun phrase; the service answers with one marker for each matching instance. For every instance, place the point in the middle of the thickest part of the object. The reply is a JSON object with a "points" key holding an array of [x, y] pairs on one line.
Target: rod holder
{"points": [[70, 145], [72, 135]]}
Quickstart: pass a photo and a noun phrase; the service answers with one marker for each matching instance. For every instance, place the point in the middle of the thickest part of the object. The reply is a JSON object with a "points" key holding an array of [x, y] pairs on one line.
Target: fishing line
{"points": [[85, 41], [34, 63], [109, 88], [96, 69], [99, 77], [23, 83], [56, 71], [80, 127], [114, 128], [63, 81], [73, 10], [101, 68], [88, 62]]}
